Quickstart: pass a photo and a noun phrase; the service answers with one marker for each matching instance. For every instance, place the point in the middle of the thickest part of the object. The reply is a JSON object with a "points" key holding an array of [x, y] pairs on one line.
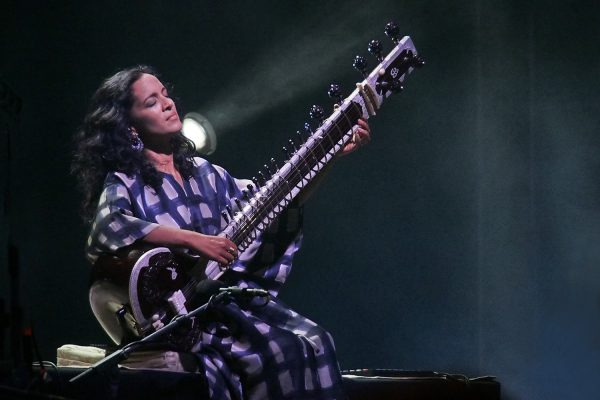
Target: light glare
{"points": [[197, 128]]}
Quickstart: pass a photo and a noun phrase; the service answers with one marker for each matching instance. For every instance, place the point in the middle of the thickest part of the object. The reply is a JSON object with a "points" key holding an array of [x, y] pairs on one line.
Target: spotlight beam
{"points": [[284, 71]]}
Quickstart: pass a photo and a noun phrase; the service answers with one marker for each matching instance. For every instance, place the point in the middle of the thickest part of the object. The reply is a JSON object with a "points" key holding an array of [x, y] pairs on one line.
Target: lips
{"points": [[174, 115]]}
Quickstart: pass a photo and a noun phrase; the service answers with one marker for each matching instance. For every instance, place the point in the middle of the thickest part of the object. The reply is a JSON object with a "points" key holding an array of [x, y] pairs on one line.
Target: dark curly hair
{"points": [[102, 143]]}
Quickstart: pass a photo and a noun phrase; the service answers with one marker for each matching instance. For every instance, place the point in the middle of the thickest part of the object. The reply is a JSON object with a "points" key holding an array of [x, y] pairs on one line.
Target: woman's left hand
{"points": [[360, 137]]}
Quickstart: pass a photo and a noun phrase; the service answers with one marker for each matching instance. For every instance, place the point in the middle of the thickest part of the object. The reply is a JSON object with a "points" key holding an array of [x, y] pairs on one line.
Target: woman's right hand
{"points": [[219, 249]]}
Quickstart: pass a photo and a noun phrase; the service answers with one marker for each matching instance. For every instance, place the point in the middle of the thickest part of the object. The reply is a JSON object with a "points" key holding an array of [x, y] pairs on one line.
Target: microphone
{"points": [[208, 287], [203, 291], [244, 293]]}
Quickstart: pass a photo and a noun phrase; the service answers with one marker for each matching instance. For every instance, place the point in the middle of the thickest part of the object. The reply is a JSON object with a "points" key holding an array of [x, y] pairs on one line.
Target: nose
{"points": [[167, 103]]}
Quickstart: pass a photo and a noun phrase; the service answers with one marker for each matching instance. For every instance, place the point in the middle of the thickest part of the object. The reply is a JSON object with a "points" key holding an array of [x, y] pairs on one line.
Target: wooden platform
{"points": [[359, 385]]}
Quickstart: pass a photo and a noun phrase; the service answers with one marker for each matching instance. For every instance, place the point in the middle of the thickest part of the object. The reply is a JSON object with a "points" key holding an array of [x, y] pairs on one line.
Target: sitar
{"points": [[138, 289]]}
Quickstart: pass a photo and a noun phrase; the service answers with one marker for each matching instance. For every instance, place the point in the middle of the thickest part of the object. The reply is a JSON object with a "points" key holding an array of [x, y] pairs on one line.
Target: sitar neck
{"points": [[267, 202], [299, 170]]}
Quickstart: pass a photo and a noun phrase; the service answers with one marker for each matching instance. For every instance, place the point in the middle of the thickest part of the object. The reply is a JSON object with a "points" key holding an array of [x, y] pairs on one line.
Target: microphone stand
{"points": [[122, 354]]}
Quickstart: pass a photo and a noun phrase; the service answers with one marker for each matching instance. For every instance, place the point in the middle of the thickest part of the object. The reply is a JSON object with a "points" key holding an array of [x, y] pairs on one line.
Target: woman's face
{"points": [[153, 112]]}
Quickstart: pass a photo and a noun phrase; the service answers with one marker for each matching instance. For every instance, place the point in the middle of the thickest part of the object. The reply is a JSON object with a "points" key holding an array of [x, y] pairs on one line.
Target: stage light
{"points": [[200, 131]]}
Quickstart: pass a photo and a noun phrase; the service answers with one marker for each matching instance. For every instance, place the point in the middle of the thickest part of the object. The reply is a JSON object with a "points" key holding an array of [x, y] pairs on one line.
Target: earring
{"points": [[136, 143]]}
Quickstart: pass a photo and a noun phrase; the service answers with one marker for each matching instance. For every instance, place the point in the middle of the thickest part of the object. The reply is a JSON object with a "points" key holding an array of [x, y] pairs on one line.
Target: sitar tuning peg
{"points": [[274, 164], [394, 86], [418, 62], [262, 178], [225, 216], [246, 195], [267, 169], [335, 93], [238, 203], [392, 31], [250, 187], [256, 182], [287, 152], [376, 49], [407, 56], [307, 128], [360, 64], [317, 114], [410, 58]]}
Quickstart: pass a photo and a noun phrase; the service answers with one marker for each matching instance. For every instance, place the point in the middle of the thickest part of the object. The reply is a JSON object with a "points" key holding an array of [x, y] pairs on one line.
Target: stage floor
{"points": [[359, 385]]}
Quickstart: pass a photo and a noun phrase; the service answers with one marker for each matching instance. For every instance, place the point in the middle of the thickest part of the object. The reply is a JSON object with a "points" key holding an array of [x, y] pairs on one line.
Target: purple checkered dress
{"points": [[268, 352]]}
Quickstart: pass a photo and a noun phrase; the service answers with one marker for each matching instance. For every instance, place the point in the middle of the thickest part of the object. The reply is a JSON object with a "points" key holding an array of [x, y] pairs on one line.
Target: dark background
{"points": [[464, 239]]}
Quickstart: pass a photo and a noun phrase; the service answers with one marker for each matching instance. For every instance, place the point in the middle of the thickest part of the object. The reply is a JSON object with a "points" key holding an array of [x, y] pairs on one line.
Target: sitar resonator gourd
{"points": [[139, 289]]}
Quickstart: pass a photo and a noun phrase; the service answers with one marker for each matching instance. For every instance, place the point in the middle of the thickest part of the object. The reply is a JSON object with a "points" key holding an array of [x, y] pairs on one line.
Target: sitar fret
{"points": [[308, 160]]}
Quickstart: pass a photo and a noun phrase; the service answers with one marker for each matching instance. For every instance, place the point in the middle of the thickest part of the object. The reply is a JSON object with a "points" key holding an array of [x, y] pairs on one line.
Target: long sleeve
{"points": [[115, 225]]}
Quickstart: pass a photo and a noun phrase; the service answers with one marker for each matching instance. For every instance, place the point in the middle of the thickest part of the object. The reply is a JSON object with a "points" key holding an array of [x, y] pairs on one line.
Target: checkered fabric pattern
{"points": [[247, 351]]}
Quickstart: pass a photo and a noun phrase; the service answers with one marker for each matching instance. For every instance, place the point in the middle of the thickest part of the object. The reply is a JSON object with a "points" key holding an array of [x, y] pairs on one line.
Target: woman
{"points": [[142, 183]]}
